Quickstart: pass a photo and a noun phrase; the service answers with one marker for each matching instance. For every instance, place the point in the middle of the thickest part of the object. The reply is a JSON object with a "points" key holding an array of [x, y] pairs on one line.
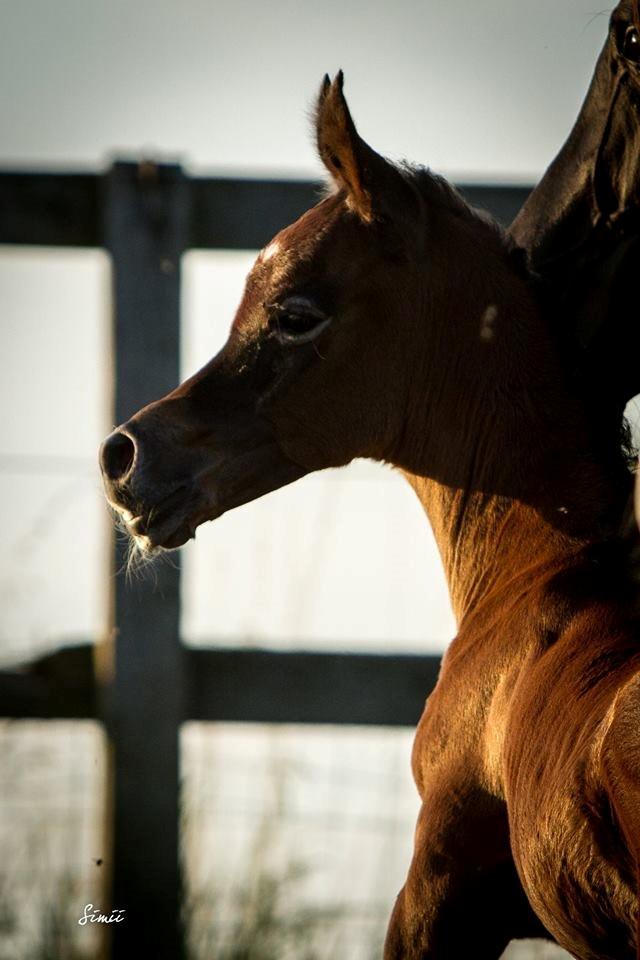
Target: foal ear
{"points": [[353, 165]]}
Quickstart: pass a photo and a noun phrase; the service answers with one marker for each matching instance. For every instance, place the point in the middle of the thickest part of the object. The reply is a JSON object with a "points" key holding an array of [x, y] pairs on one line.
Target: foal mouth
{"points": [[166, 525]]}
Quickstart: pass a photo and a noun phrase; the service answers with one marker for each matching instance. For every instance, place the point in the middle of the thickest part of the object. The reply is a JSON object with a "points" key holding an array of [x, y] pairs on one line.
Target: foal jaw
{"points": [[165, 526], [158, 517]]}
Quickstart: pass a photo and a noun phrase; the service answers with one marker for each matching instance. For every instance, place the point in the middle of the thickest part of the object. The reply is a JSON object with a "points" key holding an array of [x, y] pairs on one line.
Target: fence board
{"points": [[58, 685], [244, 685], [63, 209], [50, 209], [145, 229], [261, 686]]}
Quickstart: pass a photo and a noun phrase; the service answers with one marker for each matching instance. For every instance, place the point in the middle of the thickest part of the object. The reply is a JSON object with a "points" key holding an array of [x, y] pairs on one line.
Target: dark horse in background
{"points": [[581, 230], [394, 323]]}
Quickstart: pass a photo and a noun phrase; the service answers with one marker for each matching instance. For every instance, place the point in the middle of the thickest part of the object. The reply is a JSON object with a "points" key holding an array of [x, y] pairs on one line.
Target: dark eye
{"points": [[297, 320], [631, 45]]}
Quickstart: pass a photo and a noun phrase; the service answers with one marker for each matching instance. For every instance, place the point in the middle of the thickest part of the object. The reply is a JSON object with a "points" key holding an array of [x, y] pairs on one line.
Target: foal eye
{"points": [[631, 45], [297, 320]]}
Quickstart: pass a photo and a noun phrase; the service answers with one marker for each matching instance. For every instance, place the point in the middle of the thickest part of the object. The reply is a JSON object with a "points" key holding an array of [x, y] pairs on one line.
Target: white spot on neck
{"points": [[488, 322], [270, 251]]}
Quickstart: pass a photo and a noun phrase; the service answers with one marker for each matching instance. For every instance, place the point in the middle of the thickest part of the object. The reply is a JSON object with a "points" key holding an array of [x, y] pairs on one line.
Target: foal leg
{"points": [[462, 897]]}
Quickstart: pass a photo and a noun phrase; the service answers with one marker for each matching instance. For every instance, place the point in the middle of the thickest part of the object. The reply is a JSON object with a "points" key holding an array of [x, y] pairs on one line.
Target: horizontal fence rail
{"points": [[65, 209], [245, 685], [147, 215]]}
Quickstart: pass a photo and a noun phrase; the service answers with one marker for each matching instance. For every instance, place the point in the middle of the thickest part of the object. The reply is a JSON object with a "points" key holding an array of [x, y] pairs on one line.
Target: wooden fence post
{"points": [[146, 220]]}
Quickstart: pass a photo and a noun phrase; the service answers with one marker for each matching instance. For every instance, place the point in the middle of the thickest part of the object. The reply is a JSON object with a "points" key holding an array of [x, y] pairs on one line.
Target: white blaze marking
{"points": [[487, 323]]}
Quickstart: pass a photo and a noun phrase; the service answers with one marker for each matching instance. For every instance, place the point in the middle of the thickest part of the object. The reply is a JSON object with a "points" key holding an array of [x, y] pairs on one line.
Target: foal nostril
{"points": [[117, 456]]}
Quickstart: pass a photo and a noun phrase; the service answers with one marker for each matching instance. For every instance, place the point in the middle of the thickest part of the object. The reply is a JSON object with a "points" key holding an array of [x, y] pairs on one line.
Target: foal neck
{"points": [[498, 450], [491, 545]]}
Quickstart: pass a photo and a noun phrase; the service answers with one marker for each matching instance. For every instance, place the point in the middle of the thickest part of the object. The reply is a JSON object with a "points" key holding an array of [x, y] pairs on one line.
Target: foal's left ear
{"points": [[367, 178]]}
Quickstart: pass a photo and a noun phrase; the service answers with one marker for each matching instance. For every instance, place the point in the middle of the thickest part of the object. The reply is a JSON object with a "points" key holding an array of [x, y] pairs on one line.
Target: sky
{"points": [[486, 90]]}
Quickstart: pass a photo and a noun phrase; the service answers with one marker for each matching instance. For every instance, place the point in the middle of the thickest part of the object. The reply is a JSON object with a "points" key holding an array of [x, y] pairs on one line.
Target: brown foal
{"points": [[394, 323]]}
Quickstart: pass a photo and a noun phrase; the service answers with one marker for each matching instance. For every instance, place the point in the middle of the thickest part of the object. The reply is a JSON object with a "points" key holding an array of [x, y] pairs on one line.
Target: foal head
{"points": [[377, 305]]}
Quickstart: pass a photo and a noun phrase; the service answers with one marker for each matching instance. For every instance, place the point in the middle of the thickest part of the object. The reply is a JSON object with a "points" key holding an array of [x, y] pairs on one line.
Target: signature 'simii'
{"points": [[93, 915]]}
